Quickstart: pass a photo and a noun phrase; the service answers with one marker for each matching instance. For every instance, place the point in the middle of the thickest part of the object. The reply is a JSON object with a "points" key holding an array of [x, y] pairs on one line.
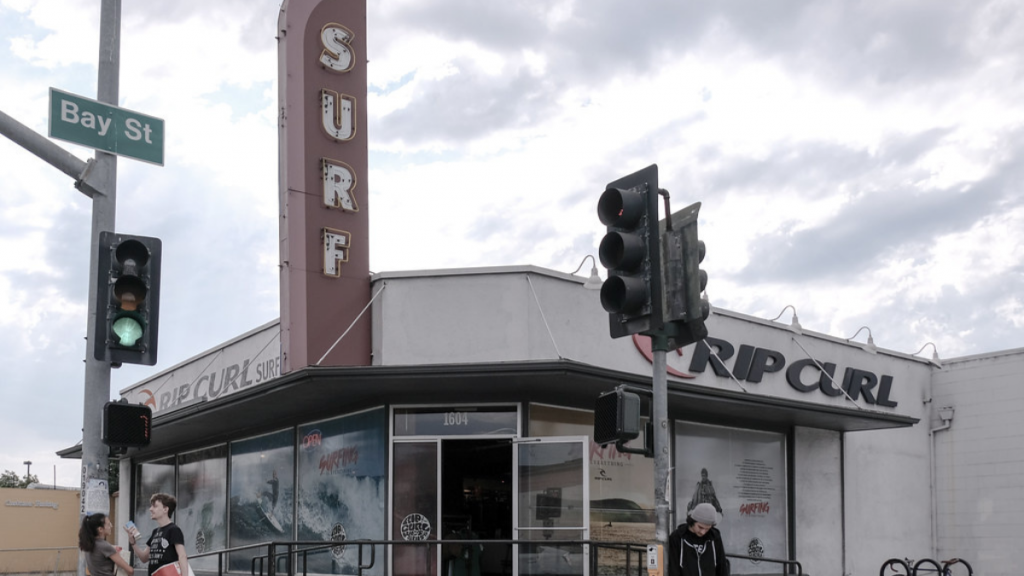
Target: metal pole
{"points": [[104, 180], [662, 459], [54, 155]]}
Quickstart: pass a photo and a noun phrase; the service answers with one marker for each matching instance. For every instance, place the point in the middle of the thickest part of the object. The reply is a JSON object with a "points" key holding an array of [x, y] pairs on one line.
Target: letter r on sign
{"points": [[339, 182]]}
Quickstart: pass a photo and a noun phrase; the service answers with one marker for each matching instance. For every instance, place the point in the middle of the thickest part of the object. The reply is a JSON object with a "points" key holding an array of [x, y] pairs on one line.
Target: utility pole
{"points": [[97, 372], [97, 179], [662, 458]]}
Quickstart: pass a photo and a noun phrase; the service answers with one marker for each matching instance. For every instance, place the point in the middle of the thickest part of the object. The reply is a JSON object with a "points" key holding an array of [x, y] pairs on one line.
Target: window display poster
{"points": [[342, 487], [202, 503], [742, 473], [262, 493], [152, 478]]}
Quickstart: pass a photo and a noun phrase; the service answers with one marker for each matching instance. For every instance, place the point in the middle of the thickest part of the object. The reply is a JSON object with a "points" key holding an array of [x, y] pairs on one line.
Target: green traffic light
{"points": [[128, 329]]}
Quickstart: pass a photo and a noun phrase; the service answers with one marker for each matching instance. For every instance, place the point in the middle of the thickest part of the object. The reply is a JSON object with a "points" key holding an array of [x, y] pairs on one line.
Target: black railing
{"points": [[788, 566], [604, 558]]}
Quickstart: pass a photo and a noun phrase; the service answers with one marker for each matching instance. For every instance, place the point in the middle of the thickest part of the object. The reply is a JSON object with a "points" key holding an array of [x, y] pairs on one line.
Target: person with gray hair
{"points": [[695, 548]]}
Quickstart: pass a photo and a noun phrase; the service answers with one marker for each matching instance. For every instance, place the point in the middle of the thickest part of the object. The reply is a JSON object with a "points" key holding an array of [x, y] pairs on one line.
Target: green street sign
{"points": [[104, 127]]}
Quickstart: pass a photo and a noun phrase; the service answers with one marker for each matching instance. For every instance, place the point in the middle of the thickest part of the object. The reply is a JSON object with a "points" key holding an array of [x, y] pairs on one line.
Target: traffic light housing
{"points": [[126, 425], [616, 417], [630, 250], [684, 306], [128, 299]]}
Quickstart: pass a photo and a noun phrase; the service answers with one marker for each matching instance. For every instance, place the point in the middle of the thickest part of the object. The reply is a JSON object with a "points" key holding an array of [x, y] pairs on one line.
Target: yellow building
{"points": [[39, 530]]}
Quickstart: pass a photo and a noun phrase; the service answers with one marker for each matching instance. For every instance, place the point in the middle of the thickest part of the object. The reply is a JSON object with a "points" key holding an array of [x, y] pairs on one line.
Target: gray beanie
{"points": [[704, 513]]}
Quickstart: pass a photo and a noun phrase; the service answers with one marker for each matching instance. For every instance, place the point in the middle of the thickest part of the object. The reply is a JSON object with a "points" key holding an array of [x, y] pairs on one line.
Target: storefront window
{"points": [[552, 492], [621, 485], [262, 493], [742, 473], [202, 503], [342, 471], [152, 478]]}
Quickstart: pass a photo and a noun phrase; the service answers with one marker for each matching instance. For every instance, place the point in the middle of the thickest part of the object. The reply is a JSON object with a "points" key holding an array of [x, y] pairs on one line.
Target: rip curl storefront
{"points": [[440, 405], [475, 419]]}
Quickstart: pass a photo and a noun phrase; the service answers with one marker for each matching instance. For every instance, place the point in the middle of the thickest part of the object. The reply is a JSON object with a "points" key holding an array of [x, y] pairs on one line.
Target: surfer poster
{"points": [[202, 514], [742, 474], [262, 493]]}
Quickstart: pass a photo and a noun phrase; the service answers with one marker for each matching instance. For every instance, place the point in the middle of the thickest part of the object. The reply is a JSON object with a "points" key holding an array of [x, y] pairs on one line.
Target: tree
{"points": [[10, 479]]}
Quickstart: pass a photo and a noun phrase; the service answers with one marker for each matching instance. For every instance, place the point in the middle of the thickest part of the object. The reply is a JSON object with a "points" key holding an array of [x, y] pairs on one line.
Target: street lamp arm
{"points": [[53, 154]]}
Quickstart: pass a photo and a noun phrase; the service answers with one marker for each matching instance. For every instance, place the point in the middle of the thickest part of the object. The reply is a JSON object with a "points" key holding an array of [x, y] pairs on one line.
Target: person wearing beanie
{"points": [[695, 548]]}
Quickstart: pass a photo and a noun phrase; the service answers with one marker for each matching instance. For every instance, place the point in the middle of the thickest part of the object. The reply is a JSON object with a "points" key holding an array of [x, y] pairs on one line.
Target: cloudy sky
{"points": [[863, 161]]}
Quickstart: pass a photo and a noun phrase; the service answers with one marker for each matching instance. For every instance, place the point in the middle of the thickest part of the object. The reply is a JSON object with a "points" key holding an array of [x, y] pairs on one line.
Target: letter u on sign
{"points": [[339, 114]]}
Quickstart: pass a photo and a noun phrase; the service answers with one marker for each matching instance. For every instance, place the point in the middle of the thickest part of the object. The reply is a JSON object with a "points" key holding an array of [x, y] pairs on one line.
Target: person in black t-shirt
{"points": [[166, 545]]}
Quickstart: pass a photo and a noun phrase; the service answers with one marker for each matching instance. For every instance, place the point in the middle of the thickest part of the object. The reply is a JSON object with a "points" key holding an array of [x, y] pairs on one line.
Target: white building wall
{"points": [[980, 461], [454, 318], [818, 500], [887, 497]]}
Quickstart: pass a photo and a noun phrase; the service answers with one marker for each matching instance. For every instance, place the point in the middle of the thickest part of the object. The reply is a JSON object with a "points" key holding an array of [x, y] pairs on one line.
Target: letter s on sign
{"points": [[337, 54]]}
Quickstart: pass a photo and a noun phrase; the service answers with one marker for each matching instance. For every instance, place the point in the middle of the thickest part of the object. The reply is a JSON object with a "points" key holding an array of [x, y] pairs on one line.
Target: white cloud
{"points": [[857, 161]]}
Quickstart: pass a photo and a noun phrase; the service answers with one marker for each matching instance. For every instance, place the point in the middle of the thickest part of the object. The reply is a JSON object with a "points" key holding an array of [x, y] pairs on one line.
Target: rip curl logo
{"points": [[755, 548], [643, 345], [338, 535], [415, 527]]}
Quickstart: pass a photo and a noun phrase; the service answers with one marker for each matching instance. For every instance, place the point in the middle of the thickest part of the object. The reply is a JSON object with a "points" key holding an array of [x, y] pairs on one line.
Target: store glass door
{"points": [[553, 504], [452, 478], [414, 508]]}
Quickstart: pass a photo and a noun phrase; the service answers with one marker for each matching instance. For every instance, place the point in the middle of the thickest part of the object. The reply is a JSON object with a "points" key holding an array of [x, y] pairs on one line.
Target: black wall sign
{"points": [[804, 375]]}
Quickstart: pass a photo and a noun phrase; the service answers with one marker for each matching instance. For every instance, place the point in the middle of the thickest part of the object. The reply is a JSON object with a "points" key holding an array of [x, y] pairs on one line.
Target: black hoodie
{"points": [[692, 555]]}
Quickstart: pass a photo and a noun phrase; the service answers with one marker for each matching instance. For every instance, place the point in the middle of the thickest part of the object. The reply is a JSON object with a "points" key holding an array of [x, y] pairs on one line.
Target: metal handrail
{"points": [[293, 549], [271, 559], [787, 564]]}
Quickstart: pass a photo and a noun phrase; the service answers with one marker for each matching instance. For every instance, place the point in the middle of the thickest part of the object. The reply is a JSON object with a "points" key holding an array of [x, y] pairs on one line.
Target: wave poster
{"points": [[342, 487]]}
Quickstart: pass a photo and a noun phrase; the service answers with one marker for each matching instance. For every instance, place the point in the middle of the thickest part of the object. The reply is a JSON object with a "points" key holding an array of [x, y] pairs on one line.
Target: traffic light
{"points": [[127, 299], [682, 252], [616, 417], [630, 251], [126, 425]]}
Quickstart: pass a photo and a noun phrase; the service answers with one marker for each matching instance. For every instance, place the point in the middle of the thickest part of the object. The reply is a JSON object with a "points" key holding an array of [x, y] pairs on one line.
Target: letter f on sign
{"points": [[336, 245]]}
